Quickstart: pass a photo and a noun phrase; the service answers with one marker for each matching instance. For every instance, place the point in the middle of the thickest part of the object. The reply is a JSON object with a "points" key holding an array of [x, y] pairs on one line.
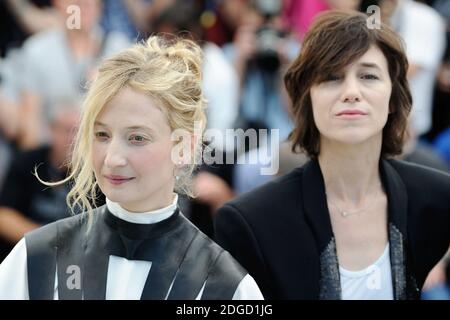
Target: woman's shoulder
{"points": [[412, 173], [274, 196], [61, 228], [423, 184]]}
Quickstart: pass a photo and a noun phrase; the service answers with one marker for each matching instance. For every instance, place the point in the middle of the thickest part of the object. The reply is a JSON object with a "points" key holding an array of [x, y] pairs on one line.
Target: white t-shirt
{"points": [[371, 283], [125, 279]]}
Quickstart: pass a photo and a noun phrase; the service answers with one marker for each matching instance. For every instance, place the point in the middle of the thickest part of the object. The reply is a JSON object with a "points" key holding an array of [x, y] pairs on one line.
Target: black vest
{"points": [[182, 257]]}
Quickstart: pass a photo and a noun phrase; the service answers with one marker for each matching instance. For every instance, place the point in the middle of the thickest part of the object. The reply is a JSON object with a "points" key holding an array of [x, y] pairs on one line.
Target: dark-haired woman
{"points": [[353, 223]]}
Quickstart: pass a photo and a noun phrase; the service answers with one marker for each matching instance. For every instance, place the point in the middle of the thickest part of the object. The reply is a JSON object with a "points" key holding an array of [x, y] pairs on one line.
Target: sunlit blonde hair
{"points": [[169, 71]]}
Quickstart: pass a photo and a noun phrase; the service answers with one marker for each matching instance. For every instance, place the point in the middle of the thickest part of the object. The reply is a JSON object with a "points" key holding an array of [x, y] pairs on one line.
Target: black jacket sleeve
{"points": [[233, 233]]}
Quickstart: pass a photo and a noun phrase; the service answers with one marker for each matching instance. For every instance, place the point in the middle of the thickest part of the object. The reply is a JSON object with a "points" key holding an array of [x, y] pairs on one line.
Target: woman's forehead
{"points": [[373, 58], [372, 55], [131, 108]]}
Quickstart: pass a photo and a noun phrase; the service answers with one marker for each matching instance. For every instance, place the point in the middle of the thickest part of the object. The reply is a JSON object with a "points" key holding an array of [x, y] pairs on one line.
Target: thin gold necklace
{"points": [[346, 213]]}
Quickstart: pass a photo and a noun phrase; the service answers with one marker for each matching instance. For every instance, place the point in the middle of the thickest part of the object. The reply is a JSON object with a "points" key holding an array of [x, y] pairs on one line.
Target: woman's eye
{"points": [[101, 135], [370, 77], [138, 138], [332, 77]]}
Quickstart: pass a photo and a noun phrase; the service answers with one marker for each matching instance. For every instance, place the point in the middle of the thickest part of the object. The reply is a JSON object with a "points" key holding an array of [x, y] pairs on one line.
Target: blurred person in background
{"points": [[440, 132], [18, 20], [441, 112], [132, 17], [222, 18], [260, 52], [8, 129], [423, 31], [300, 13], [56, 64], [21, 18], [25, 203]]}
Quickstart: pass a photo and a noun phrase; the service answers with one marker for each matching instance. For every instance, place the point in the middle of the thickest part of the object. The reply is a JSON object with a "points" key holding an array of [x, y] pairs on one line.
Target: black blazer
{"points": [[281, 232]]}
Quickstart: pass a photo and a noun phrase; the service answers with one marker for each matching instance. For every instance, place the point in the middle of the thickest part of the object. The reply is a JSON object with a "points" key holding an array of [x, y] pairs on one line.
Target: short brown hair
{"points": [[336, 39]]}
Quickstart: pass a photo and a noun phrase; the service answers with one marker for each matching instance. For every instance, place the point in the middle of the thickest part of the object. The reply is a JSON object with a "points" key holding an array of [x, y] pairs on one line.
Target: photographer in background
{"points": [[260, 51]]}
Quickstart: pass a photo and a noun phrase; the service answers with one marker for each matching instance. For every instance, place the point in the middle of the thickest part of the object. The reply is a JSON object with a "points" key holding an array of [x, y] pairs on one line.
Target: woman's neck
{"points": [[350, 172]]}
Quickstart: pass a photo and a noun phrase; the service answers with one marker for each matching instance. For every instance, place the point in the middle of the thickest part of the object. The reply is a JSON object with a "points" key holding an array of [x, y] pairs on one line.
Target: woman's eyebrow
{"points": [[98, 123], [140, 128], [369, 65], [137, 127]]}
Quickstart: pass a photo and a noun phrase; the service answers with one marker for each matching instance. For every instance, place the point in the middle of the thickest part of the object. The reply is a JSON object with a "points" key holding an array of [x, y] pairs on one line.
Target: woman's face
{"points": [[352, 106], [132, 152]]}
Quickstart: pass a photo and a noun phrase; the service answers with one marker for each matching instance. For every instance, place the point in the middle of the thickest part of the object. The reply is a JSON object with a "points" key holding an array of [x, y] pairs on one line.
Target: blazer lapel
{"points": [[404, 284], [318, 217]]}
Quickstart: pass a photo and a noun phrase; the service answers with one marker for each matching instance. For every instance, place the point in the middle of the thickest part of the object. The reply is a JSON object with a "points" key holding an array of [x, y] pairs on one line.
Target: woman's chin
{"points": [[354, 139], [116, 196], [355, 136]]}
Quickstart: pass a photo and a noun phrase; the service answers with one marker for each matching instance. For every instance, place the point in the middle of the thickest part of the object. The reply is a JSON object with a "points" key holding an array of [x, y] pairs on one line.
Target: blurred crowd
{"points": [[49, 51]]}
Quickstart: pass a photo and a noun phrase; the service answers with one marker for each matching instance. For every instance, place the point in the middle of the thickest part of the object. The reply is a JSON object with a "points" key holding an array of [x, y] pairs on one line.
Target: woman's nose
{"points": [[350, 91], [115, 155]]}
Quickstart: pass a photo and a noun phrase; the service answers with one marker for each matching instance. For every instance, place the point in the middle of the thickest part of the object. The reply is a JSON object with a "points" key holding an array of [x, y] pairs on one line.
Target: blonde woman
{"points": [[137, 246]]}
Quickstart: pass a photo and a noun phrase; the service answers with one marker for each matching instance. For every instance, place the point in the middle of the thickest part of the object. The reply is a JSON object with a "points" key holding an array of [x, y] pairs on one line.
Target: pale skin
{"points": [[350, 149], [132, 139]]}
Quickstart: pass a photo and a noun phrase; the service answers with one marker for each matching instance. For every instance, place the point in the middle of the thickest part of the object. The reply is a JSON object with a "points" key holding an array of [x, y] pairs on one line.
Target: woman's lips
{"points": [[116, 180], [351, 114]]}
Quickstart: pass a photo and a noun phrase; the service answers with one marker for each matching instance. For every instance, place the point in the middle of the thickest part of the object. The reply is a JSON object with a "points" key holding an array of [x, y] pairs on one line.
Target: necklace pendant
{"points": [[344, 213]]}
